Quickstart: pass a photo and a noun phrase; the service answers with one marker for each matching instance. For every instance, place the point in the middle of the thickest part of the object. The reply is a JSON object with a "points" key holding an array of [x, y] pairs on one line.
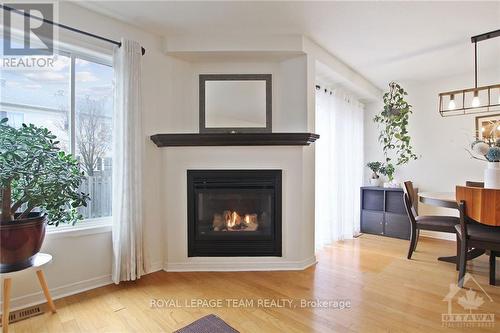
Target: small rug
{"points": [[208, 324]]}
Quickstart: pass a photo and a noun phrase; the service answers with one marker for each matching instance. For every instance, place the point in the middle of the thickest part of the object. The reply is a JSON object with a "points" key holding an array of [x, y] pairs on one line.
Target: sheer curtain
{"points": [[339, 166], [128, 261]]}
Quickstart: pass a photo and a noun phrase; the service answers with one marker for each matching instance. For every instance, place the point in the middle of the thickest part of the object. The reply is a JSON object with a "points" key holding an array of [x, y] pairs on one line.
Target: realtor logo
{"points": [[469, 300], [32, 30]]}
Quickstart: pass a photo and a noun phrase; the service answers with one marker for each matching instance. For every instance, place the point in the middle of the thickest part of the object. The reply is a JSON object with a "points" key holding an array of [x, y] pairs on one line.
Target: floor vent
{"points": [[22, 314]]}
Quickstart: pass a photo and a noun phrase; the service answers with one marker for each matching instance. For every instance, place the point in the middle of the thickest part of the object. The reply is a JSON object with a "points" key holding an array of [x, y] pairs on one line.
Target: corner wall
{"points": [[290, 114]]}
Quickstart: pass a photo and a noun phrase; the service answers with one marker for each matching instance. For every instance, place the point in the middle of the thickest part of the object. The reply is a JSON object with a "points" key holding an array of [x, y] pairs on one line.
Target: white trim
{"points": [[155, 267], [59, 292], [94, 222], [28, 300], [345, 75], [72, 107], [238, 266], [93, 226], [84, 50]]}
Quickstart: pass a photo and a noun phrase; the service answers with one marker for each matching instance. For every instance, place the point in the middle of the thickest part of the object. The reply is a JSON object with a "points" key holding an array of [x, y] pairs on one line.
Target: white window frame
{"points": [[82, 228], [72, 51], [73, 55], [91, 225]]}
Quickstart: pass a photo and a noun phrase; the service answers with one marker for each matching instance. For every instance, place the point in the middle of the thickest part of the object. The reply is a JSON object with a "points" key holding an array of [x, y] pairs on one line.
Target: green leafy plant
{"points": [[35, 174], [374, 167], [388, 170], [393, 125]]}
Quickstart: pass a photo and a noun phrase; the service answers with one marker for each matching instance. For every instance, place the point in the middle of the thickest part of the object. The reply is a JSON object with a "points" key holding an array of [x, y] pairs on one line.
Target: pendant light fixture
{"points": [[472, 100]]}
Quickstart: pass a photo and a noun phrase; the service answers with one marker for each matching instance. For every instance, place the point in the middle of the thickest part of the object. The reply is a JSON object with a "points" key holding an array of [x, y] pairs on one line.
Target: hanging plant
{"points": [[393, 125]]}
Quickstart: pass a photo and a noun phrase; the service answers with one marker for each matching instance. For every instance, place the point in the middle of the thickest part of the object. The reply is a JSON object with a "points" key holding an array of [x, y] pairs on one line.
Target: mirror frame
{"points": [[236, 77]]}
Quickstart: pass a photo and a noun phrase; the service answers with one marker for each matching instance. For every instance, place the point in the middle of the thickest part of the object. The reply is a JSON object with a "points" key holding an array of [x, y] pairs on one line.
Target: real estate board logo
{"points": [[37, 35], [471, 301]]}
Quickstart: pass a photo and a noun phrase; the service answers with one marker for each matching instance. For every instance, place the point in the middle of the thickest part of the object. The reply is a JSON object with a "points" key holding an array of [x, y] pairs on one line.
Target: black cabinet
{"points": [[372, 222], [383, 212]]}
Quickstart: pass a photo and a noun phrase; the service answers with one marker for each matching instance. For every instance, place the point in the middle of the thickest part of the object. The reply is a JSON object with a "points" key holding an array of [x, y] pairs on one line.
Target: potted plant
{"points": [[375, 178], [489, 151], [393, 124], [38, 186], [388, 171]]}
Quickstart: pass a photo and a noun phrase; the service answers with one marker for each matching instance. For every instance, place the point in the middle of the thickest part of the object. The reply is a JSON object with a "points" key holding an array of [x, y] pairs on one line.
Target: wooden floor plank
{"points": [[388, 293]]}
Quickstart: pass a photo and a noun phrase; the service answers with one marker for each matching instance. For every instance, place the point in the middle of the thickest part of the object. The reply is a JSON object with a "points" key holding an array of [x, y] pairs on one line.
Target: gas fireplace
{"points": [[234, 213]]}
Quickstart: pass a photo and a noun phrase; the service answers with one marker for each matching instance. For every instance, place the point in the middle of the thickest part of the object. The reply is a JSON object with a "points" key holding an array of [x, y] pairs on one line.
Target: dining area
{"points": [[473, 220]]}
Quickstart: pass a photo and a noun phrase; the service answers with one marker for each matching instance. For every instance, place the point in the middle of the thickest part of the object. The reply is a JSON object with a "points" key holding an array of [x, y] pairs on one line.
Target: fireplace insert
{"points": [[234, 213]]}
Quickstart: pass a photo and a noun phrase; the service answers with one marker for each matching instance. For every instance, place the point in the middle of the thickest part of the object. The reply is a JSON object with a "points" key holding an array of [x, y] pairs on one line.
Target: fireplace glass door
{"points": [[224, 212], [234, 212]]}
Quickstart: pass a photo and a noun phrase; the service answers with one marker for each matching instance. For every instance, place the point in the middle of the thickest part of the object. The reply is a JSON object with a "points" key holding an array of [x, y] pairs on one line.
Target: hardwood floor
{"points": [[388, 293]]}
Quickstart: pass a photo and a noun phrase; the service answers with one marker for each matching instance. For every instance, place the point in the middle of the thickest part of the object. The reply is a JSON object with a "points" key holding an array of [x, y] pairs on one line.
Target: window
{"points": [[74, 100]]}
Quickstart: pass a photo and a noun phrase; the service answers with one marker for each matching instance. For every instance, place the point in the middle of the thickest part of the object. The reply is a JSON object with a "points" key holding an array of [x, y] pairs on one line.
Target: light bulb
{"points": [[475, 100], [451, 103]]}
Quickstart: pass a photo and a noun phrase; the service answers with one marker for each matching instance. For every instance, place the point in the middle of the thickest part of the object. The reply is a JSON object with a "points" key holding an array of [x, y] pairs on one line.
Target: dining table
{"points": [[447, 200]]}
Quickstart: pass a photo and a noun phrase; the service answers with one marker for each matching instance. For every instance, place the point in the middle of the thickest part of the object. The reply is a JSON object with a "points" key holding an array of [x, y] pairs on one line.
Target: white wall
{"points": [[83, 261], [292, 96], [289, 97], [440, 142]]}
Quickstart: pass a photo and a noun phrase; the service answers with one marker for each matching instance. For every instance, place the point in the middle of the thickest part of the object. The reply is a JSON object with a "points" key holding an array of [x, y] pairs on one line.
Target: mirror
{"points": [[235, 103]]}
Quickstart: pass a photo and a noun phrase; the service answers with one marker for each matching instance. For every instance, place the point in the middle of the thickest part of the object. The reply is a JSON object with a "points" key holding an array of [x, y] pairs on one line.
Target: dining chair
{"points": [[425, 222], [473, 234]]}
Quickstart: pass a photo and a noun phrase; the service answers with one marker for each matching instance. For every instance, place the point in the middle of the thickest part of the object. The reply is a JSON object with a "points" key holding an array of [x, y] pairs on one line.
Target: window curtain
{"points": [[339, 166], [128, 260]]}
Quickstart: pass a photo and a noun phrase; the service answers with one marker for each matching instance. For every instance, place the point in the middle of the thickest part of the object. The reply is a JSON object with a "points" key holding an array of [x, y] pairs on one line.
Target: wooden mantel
{"points": [[234, 139]]}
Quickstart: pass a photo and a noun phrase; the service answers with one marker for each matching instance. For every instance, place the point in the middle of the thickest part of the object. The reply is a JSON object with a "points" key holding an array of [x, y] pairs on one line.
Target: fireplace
{"points": [[234, 213]]}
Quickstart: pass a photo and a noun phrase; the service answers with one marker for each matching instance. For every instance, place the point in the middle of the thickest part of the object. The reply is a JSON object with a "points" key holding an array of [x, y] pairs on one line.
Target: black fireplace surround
{"points": [[234, 213]]}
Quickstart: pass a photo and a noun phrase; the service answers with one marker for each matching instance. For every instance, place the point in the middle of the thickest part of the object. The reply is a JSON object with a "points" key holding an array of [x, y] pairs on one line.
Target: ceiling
{"points": [[383, 41]]}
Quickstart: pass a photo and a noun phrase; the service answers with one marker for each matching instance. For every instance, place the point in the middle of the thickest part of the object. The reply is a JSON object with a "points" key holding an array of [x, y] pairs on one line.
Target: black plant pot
{"points": [[20, 241]]}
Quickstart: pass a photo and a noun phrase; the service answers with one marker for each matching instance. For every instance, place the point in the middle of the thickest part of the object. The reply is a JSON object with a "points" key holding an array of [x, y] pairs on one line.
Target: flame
{"points": [[232, 219]]}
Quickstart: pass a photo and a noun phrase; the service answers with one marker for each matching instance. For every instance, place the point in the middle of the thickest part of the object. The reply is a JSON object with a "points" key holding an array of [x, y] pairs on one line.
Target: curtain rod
{"points": [[119, 44], [318, 87]]}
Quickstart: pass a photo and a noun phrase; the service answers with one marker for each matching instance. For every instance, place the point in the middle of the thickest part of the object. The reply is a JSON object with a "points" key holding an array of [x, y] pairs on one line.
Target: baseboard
{"points": [[59, 292], [155, 267], [238, 266]]}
